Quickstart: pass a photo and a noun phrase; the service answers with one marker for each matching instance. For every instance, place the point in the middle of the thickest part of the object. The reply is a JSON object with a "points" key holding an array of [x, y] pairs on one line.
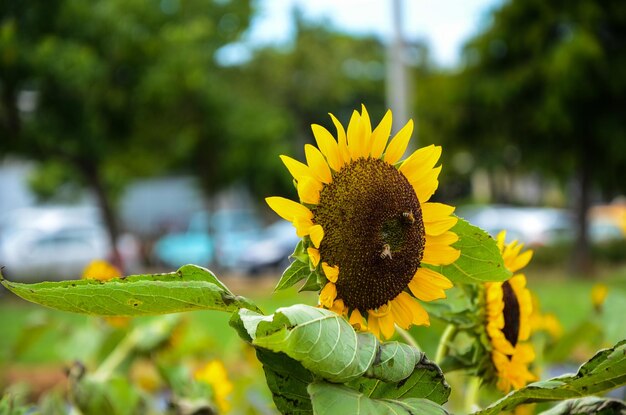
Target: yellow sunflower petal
{"points": [[438, 227], [420, 162], [309, 190], [387, 323], [521, 261], [500, 240], [314, 256], [428, 285], [440, 255], [316, 233], [366, 129], [356, 320], [342, 141], [402, 315], [328, 295], [316, 161], [328, 146], [399, 143], [331, 272], [380, 135], [303, 226], [372, 324], [355, 136], [288, 209], [446, 238], [425, 188], [296, 168], [437, 219], [339, 307], [420, 316], [432, 211]]}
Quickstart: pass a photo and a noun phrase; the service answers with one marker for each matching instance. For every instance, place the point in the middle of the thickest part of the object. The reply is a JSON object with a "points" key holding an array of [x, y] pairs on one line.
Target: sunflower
{"points": [[367, 225], [509, 309], [214, 374], [100, 270]]}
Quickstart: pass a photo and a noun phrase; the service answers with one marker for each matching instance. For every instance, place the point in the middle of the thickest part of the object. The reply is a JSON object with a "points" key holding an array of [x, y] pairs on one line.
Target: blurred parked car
{"points": [[541, 226], [51, 243], [234, 231], [271, 253], [219, 239], [195, 246], [531, 225]]}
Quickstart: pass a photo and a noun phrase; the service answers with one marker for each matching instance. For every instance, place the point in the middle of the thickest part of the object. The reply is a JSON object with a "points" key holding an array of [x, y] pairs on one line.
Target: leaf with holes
{"points": [[480, 259], [605, 371], [189, 288], [329, 399]]}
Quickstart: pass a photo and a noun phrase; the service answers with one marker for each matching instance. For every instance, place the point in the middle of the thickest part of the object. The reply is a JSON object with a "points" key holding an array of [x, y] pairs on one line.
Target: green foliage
{"points": [[591, 405], [189, 288], [300, 343], [480, 259], [604, 371], [332, 399]]}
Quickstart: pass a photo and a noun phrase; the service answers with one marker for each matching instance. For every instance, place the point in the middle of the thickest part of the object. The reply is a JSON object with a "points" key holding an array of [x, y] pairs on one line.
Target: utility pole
{"points": [[398, 85]]}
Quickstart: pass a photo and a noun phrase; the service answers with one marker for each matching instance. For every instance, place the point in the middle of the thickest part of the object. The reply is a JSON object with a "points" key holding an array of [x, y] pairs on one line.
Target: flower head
{"points": [[599, 293], [367, 225], [214, 374], [100, 270], [509, 309]]}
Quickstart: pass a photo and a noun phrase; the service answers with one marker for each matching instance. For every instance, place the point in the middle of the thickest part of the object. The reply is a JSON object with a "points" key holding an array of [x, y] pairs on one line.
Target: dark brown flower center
{"points": [[373, 230], [511, 314]]}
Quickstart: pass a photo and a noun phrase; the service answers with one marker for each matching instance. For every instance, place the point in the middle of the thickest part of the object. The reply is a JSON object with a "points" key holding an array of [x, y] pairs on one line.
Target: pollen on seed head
{"points": [[368, 212]]}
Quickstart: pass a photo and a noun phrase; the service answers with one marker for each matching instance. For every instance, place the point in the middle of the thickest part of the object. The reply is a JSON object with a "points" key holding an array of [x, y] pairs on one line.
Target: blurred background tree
{"points": [[111, 90], [550, 79]]}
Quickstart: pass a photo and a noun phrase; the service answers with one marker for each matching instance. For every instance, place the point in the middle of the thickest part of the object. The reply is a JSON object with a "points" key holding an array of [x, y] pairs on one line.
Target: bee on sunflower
{"points": [[367, 226], [508, 319]]}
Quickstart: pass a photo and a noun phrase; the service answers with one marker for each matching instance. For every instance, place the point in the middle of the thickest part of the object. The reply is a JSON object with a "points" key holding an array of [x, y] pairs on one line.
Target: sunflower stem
{"points": [[408, 338], [471, 395], [446, 337]]}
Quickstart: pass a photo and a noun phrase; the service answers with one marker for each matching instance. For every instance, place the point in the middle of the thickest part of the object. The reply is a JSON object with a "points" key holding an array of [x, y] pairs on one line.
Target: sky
{"points": [[443, 24]]}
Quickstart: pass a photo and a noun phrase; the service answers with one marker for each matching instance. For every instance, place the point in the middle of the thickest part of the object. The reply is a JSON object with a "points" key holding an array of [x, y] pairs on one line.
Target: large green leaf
{"points": [[591, 405], [606, 370], [327, 345], [189, 288], [336, 399], [426, 381], [480, 259], [287, 380], [301, 343]]}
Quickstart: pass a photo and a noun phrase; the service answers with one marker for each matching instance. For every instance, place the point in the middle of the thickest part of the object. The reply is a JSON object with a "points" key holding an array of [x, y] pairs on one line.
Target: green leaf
{"points": [[189, 288], [480, 259], [321, 340], [297, 271], [336, 399], [327, 345], [312, 283], [591, 405], [606, 370], [287, 380], [426, 381]]}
